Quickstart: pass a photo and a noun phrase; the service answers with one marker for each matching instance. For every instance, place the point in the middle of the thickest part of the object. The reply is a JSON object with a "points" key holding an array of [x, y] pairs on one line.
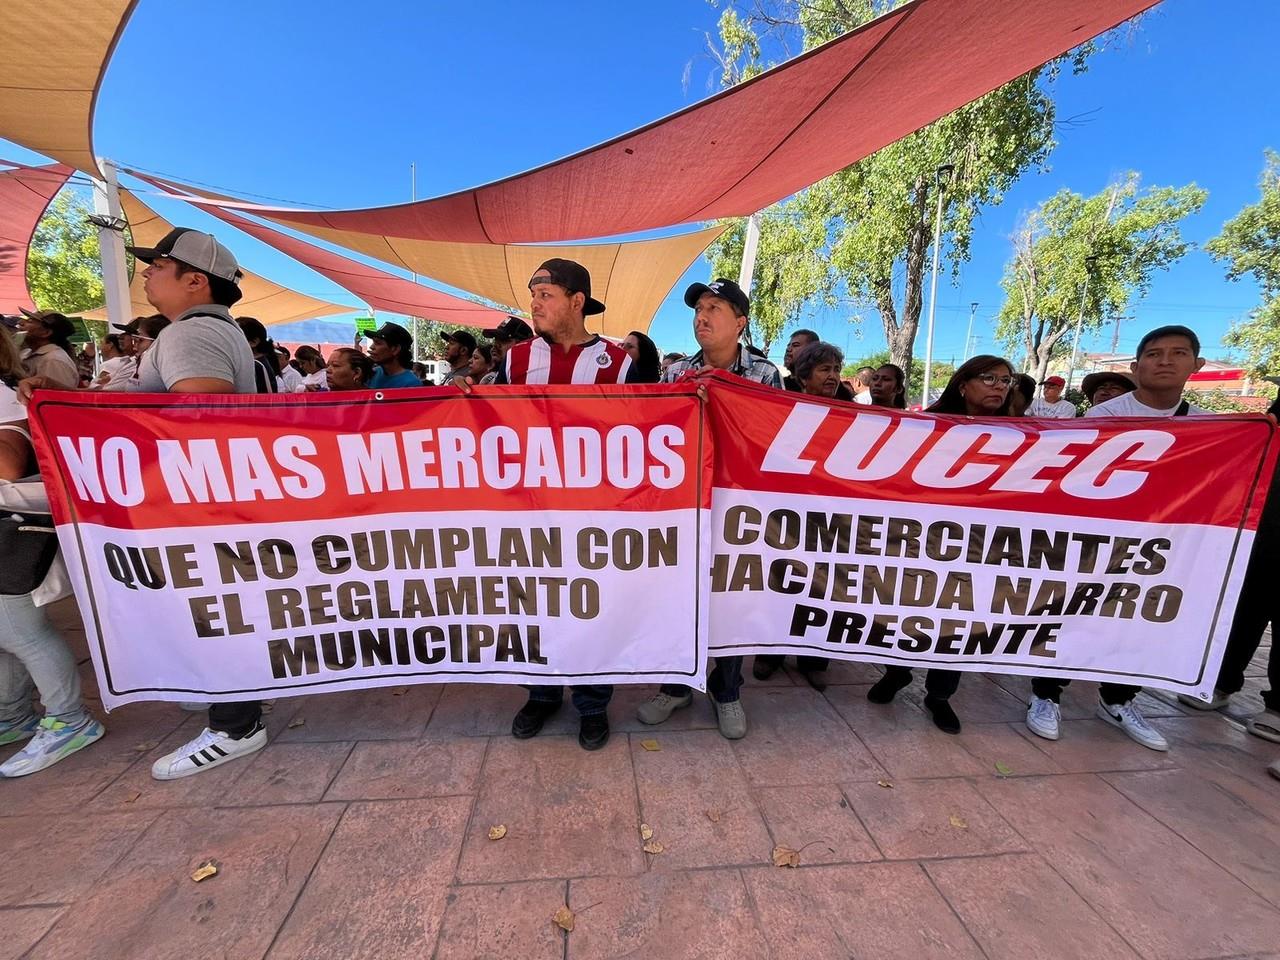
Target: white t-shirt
{"points": [[291, 380], [117, 368], [1058, 410], [1127, 405], [864, 397], [11, 411], [319, 380]]}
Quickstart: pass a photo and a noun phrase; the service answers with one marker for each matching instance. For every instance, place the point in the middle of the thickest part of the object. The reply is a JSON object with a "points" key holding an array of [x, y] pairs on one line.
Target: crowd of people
{"points": [[193, 344]]}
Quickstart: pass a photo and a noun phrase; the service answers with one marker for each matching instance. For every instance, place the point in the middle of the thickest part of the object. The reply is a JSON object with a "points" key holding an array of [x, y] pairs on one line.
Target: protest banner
{"points": [[235, 547], [1102, 549]]}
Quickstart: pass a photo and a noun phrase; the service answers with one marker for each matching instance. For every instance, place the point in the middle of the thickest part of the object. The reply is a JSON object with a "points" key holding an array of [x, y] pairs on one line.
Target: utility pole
{"points": [[941, 178], [1115, 334], [973, 309]]}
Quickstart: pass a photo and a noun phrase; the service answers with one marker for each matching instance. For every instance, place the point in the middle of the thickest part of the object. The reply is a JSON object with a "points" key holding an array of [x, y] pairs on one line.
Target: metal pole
{"points": [[1084, 298], [750, 244], [941, 177], [109, 219], [973, 309], [413, 197]]}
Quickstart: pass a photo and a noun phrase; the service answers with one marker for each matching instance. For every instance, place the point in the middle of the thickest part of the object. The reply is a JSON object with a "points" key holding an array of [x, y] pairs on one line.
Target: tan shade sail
{"points": [[25, 193], [763, 140], [631, 279], [264, 299], [53, 54]]}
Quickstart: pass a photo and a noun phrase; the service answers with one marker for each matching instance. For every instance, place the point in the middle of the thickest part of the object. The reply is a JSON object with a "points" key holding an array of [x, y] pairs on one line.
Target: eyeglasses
{"points": [[991, 380]]}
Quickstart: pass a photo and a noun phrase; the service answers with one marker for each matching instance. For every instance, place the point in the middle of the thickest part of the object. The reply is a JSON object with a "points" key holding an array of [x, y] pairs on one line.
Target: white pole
{"points": [[109, 219], [413, 197], [973, 309], [933, 293], [750, 244]]}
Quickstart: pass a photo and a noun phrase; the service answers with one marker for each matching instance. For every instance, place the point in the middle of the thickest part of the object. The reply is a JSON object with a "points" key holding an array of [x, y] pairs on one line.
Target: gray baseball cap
{"points": [[195, 249]]}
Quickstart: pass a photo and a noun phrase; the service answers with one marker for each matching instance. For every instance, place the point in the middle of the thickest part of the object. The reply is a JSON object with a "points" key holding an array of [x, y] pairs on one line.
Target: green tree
{"points": [[877, 216], [64, 269], [1082, 259], [1250, 244], [941, 373]]}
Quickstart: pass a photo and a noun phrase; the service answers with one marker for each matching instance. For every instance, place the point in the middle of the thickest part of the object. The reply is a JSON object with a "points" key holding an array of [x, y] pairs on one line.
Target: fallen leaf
{"points": [[884, 783], [1003, 769], [206, 870], [297, 722], [400, 692], [653, 846], [646, 832], [785, 857], [959, 822], [651, 745], [145, 745], [714, 816], [563, 919], [498, 832], [135, 796]]}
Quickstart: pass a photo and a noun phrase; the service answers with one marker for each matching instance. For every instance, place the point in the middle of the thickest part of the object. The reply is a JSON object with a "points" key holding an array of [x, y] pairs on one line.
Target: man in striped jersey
{"points": [[564, 352]]}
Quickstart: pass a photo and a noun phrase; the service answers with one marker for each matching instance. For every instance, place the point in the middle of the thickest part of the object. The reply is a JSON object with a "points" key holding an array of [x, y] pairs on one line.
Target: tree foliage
{"points": [[64, 269], [877, 217], [1130, 232], [915, 381], [1250, 245]]}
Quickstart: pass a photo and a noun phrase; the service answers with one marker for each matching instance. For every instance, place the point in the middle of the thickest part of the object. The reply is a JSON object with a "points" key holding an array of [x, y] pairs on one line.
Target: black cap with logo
{"points": [[464, 338], [574, 277], [722, 288], [513, 329], [393, 334]]}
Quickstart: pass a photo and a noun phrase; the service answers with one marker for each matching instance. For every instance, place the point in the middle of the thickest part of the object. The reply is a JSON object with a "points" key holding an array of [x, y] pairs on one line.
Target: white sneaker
{"points": [[211, 749], [1216, 702], [1044, 718], [731, 719], [660, 707], [54, 740], [1129, 719]]}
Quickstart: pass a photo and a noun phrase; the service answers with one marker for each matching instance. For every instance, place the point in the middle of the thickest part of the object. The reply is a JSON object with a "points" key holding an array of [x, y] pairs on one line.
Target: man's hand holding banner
{"points": [[241, 546]]}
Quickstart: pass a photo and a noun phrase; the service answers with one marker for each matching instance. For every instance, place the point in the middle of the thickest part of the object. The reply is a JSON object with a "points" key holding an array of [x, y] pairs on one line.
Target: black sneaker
{"points": [[944, 718], [531, 717], [765, 666], [593, 731], [887, 687], [815, 678]]}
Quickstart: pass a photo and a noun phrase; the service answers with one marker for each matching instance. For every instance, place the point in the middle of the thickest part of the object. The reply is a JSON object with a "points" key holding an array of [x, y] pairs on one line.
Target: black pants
{"points": [[938, 684], [1113, 694], [805, 664], [724, 682], [1259, 605], [590, 699], [235, 719]]}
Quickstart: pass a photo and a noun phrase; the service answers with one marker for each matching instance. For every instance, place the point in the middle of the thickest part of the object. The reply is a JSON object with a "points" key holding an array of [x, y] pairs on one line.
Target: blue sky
{"points": [[297, 100]]}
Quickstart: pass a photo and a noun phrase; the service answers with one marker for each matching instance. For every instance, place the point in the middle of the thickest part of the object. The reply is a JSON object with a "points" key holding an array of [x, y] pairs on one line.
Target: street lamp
{"points": [[1090, 264], [942, 177]]}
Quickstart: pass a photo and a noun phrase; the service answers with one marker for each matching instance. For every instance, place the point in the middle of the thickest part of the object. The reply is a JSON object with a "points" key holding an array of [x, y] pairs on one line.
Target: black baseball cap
{"points": [[575, 278], [512, 328], [58, 324], [393, 334], [722, 288], [463, 338]]}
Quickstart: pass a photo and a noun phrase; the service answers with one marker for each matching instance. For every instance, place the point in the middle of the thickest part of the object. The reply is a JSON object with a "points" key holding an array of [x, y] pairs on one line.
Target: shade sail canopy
{"points": [[268, 301], [53, 54], [763, 140], [25, 194], [631, 279]]}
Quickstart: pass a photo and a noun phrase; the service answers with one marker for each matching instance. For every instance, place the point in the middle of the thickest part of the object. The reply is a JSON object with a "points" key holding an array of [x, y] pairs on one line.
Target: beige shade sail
{"points": [[630, 278], [264, 299], [53, 54]]}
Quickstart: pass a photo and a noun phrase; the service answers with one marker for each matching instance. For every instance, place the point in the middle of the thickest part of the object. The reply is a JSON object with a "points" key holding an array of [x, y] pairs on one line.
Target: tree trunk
{"points": [[901, 335]]}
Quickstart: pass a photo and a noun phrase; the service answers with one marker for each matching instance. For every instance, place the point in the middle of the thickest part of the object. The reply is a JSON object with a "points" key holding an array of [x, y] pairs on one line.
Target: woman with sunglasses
{"points": [[141, 337], [980, 388]]}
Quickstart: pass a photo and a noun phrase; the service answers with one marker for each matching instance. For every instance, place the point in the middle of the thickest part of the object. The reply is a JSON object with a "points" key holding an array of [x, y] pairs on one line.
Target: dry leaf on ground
{"points": [[498, 832], [207, 869], [563, 918], [133, 796], [653, 846], [1003, 769], [959, 822], [714, 815], [651, 745], [785, 857], [646, 832], [297, 722], [884, 783]]}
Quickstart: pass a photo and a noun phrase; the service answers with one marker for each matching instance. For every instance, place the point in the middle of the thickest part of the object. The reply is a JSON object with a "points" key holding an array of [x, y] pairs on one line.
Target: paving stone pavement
{"points": [[363, 832]]}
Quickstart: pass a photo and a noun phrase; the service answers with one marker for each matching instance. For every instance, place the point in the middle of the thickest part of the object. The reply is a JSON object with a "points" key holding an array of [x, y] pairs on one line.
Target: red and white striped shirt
{"points": [[537, 361]]}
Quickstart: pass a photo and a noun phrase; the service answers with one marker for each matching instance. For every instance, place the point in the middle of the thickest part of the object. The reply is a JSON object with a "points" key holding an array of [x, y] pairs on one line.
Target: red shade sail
{"points": [[25, 194], [765, 139]]}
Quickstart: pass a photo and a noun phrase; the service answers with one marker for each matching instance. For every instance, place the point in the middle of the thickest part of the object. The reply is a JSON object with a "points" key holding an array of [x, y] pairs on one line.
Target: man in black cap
{"points": [[391, 350], [720, 311], [564, 352], [505, 335], [46, 348], [459, 346]]}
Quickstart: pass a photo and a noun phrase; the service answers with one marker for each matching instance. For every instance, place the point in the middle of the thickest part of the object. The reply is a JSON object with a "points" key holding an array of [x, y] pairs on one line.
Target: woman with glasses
{"points": [[980, 388], [140, 338]]}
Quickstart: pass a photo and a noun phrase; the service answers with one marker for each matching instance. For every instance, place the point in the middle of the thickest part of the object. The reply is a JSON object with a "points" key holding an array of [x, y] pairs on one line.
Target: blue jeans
{"points": [[589, 699], [34, 657], [723, 682]]}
